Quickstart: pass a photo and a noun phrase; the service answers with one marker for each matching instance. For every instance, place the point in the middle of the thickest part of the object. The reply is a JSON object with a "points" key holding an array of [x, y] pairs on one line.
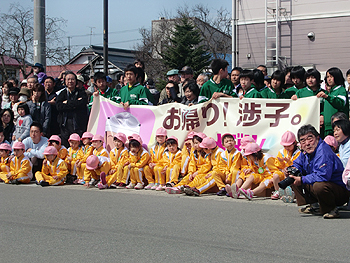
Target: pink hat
{"points": [[5, 146], [50, 150], [55, 138], [329, 139], [174, 138], [98, 137], [161, 132], [208, 143], [74, 137], [190, 135], [92, 162], [251, 148], [87, 135], [245, 140], [135, 137], [288, 138], [19, 145], [121, 137], [200, 135]]}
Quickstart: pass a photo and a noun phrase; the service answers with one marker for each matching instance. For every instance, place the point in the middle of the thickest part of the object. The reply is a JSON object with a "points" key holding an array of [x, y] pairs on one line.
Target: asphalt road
{"points": [[73, 224]]}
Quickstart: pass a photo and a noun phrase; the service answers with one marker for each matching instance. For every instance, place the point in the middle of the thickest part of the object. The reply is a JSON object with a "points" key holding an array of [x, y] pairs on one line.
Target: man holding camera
{"points": [[321, 176]]}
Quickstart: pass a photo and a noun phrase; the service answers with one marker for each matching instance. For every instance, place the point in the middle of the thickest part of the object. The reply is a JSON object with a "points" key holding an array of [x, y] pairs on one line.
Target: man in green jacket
{"points": [[100, 81]]}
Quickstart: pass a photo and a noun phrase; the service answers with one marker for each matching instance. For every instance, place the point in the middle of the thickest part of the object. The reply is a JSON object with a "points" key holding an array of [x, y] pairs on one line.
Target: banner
{"points": [[264, 119]]}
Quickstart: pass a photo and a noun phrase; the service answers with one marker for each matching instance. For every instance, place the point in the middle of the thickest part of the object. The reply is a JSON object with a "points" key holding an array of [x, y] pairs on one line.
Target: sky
{"points": [[125, 18]]}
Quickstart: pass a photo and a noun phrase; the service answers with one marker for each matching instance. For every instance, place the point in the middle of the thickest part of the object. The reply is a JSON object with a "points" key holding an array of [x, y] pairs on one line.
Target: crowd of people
{"points": [[43, 136]]}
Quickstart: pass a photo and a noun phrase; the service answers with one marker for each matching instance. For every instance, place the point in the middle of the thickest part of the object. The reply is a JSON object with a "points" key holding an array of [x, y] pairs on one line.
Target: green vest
{"points": [[225, 86]]}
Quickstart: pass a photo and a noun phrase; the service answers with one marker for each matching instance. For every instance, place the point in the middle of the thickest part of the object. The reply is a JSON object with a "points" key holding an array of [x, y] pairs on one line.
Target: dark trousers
{"points": [[327, 194], [67, 130]]}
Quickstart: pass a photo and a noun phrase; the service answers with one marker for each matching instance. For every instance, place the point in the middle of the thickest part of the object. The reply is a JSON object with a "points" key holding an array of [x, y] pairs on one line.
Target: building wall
{"points": [[330, 47]]}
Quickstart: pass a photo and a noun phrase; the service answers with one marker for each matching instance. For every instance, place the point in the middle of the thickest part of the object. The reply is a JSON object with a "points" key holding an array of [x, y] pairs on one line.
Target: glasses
{"points": [[309, 138]]}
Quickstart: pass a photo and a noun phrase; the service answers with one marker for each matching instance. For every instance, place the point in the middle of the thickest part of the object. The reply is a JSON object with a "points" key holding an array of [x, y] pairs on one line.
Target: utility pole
{"points": [[39, 32], [91, 27], [105, 36], [69, 48], [234, 33]]}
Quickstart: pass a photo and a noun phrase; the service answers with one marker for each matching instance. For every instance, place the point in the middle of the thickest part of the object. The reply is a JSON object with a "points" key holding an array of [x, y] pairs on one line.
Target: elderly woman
{"points": [[191, 91], [7, 118], [39, 108], [71, 104]]}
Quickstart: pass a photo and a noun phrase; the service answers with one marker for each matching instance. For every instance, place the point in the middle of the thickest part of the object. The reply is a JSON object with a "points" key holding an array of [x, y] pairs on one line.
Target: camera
{"points": [[289, 180]]}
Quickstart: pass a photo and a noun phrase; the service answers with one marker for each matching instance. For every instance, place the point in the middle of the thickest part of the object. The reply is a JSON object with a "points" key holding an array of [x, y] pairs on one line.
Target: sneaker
{"points": [[309, 209], [281, 192], [247, 193], [14, 182], [154, 187], [332, 214], [103, 178], [160, 188], [101, 186], [121, 186], [138, 186], [188, 191], [93, 182], [234, 191], [81, 181], [222, 192], [149, 186], [287, 199], [275, 195], [130, 186], [228, 189], [169, 184], [113, 186], [173, 190], [43, 183], [195, 191]]}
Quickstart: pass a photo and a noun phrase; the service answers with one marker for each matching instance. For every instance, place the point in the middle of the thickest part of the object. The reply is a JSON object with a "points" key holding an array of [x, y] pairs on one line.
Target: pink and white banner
{"points": [[264, 119]]}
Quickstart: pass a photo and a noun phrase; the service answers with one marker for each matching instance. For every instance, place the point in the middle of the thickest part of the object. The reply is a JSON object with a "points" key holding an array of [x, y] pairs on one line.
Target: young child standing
{"points": [[96, 168], [85, 151], [260, 170], [23, 123], [284, 159], [138, 161], [72, 157], [118, 158], [152, 171], [20, 167], [54, 169]]}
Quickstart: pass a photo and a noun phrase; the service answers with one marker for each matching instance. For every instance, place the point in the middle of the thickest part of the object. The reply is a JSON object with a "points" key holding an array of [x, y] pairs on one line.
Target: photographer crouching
{"points": [[321, 176]]}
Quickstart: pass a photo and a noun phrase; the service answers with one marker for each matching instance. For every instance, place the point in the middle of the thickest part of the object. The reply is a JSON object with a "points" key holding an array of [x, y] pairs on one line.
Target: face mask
{"points": [[23, 98]]}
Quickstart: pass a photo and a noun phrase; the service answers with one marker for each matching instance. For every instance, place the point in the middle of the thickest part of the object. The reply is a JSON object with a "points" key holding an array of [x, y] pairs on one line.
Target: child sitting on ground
{"points": [[260, 169], [23, 123], [284, 159], [20, 167], [138, 161], [55, 141], [54, 169], [205, 181], [85, 151], [97, 167], [72, 157], [171, 162], [152, 171], [186, 153], [5, 153], [118, 158]]}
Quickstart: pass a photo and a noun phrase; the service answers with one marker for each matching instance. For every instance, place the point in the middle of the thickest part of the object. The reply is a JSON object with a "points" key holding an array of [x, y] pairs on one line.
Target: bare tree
{"points": [[16, 37]]}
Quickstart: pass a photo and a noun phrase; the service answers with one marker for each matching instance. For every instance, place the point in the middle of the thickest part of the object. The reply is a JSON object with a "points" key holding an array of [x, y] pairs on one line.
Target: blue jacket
{"points": [[320, 166]]}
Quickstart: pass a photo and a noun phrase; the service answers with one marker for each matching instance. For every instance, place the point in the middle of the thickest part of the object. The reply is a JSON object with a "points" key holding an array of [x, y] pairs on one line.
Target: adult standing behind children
{"points": [[35, 146], [218, 85], [72, 110], [134, 93]]}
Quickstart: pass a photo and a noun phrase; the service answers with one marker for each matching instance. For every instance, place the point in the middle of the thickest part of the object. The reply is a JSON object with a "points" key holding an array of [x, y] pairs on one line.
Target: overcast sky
{"points": [[125, 18]]}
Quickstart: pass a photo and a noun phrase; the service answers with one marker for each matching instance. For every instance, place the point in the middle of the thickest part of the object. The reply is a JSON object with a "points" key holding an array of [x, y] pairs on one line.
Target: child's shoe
{"points": [[275, 195], [173, 190], [101, 186], [81, 181], [14, 182], [43, 183], [103, 178], [114, 185], [160, 188], [221, 192], [149, 186], [154, 187], [138, 186], [247, 193], [121, 186], [130, 186]]}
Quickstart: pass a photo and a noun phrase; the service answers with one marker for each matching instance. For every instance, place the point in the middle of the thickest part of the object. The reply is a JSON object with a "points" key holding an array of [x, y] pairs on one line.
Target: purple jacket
{"points": [[320, 166]]}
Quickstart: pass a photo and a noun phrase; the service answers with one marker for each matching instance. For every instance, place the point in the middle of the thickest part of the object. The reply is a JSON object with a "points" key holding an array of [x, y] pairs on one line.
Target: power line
{"points": [[110, 43], [96, 34]]}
